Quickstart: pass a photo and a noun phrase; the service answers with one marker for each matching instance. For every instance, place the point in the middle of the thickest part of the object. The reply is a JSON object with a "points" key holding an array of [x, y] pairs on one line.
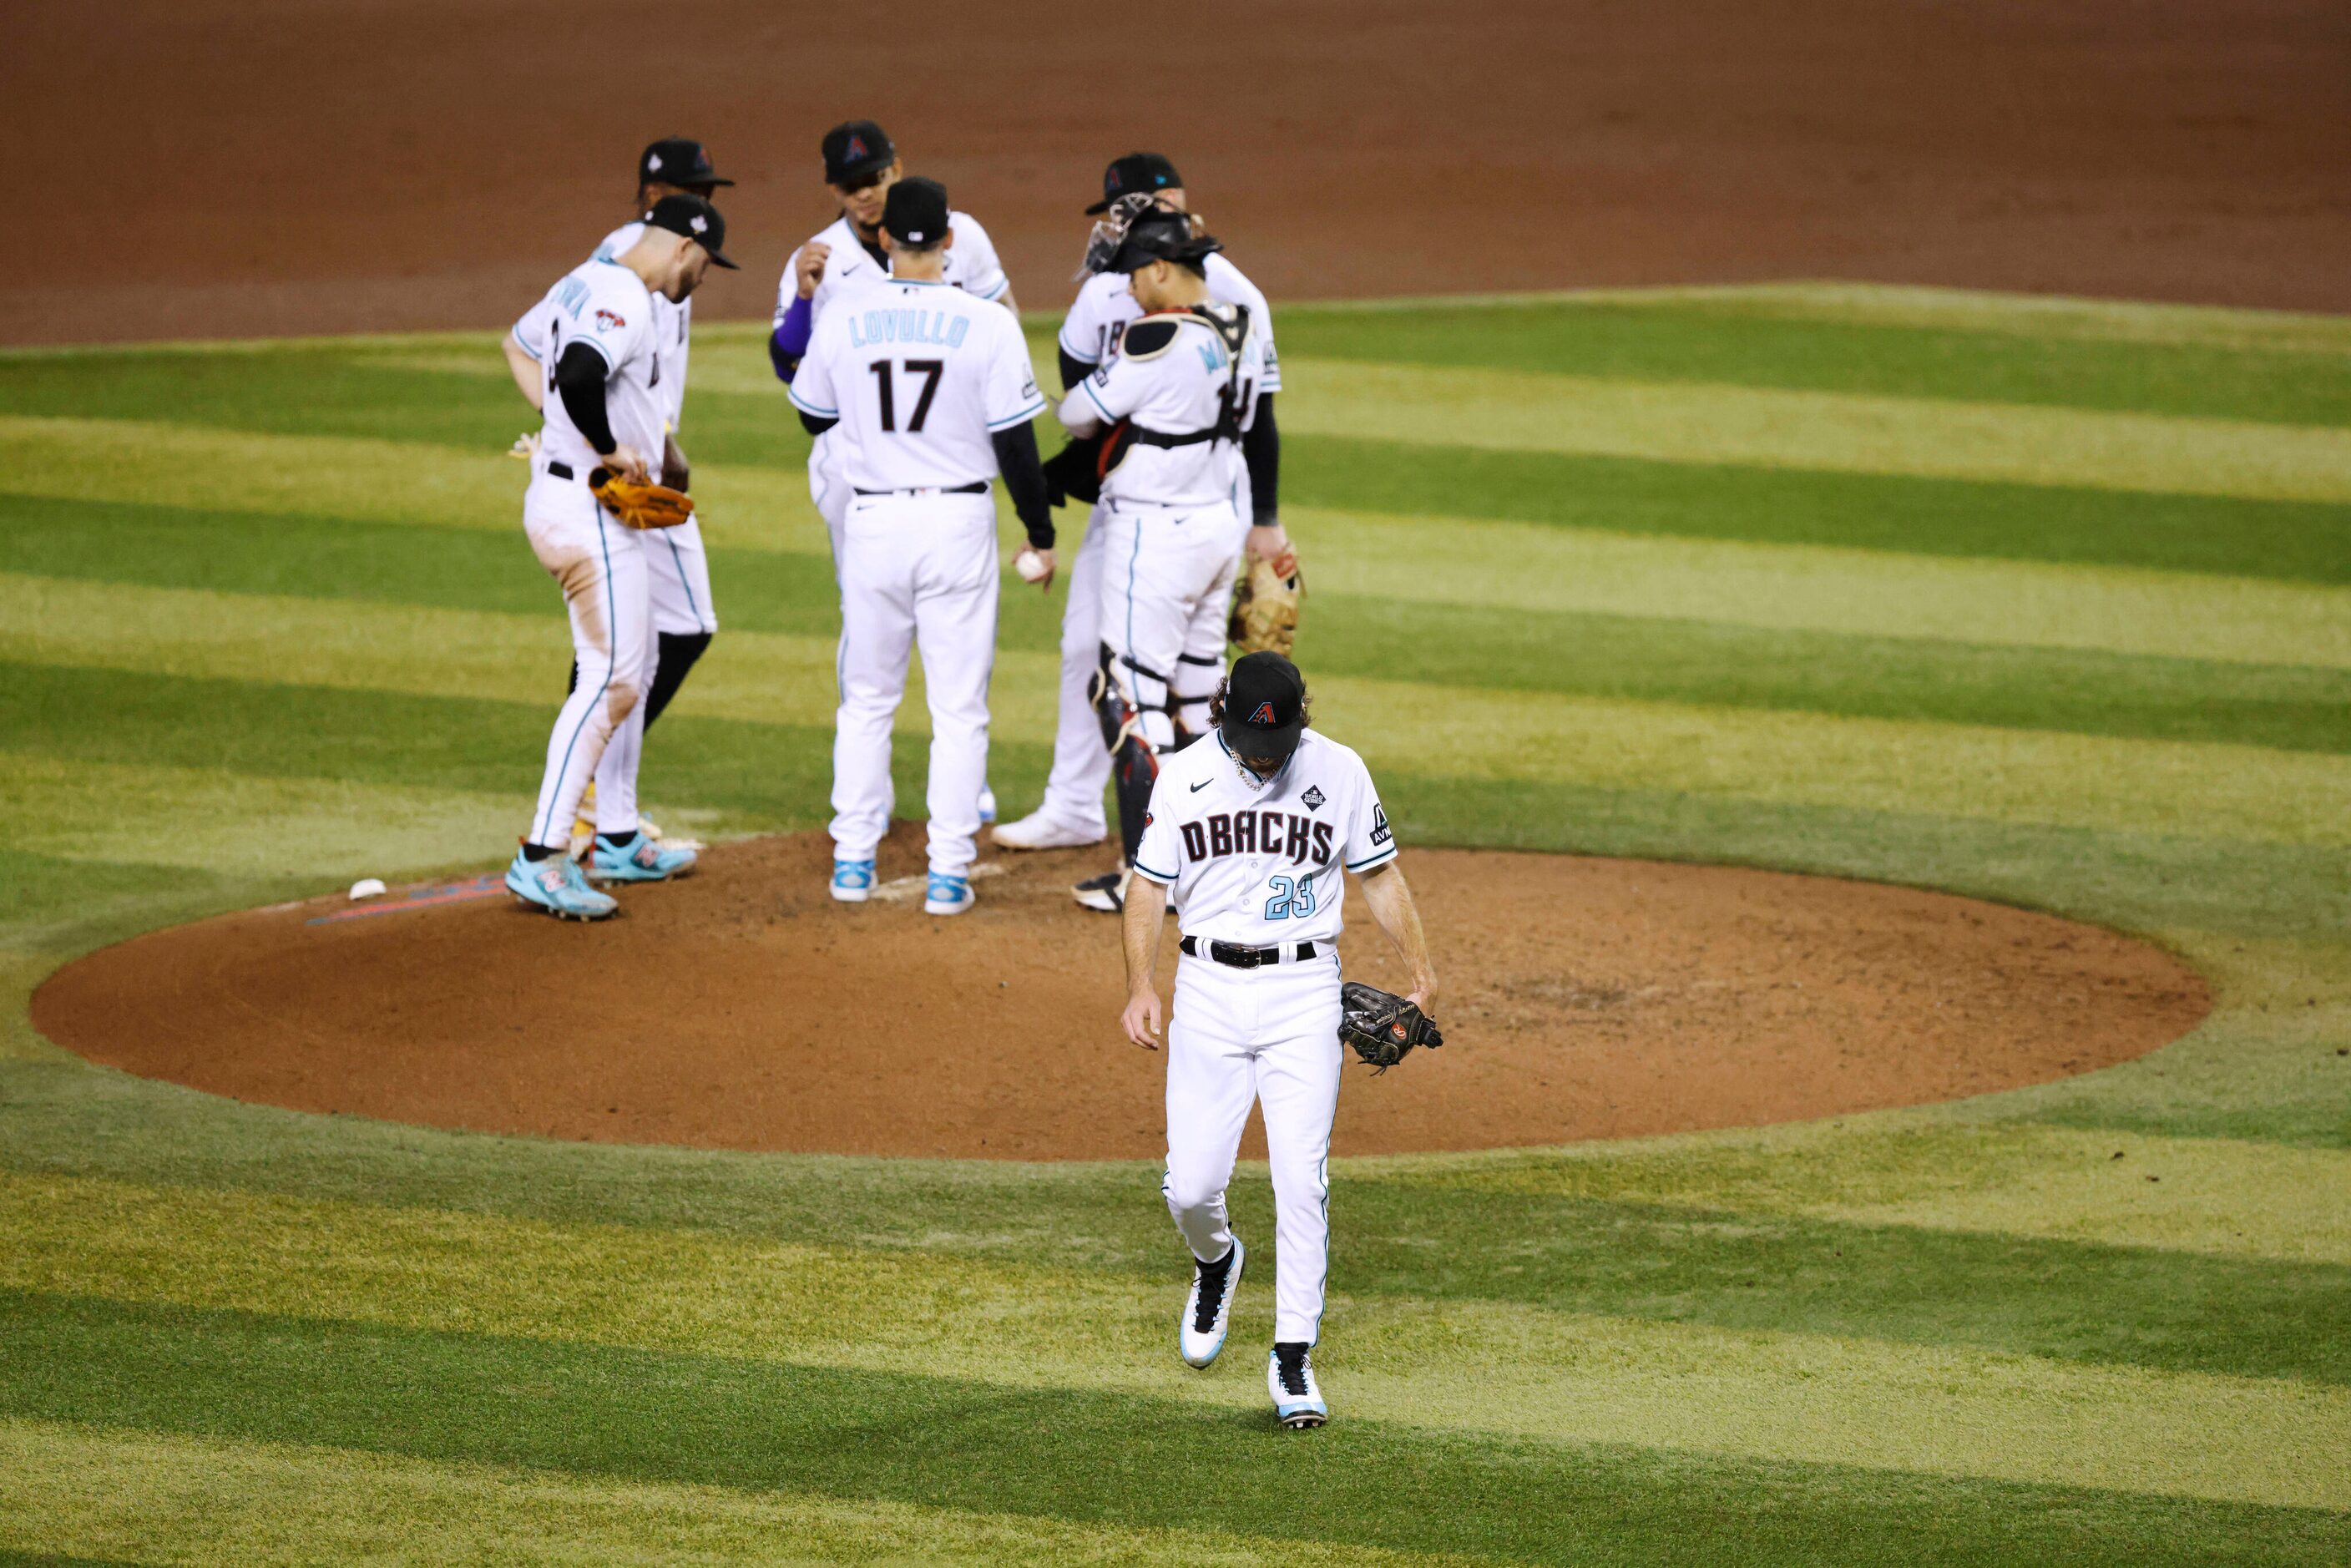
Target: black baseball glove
{"points": [[1382, 1027]]}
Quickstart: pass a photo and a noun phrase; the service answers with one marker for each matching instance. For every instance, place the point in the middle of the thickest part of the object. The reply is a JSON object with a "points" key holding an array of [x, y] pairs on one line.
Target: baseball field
{"points": [[2038, 601]]}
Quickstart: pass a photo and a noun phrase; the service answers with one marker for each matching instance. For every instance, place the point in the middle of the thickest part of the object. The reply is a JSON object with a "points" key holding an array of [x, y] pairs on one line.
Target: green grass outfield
{"points": [[2043, 602]]}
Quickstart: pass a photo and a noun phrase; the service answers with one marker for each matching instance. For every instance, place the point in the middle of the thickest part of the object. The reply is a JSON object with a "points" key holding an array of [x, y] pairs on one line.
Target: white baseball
{"points": [[1030, 566], [366, 887]]}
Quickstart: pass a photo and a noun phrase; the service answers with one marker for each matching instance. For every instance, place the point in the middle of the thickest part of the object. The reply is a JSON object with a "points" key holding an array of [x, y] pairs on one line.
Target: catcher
{"points": [[1164, 421], [593, 494], [1251, 830]]}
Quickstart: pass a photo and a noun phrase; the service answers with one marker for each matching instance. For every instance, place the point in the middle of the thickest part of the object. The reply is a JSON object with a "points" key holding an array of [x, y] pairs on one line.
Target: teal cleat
{"points": [[556, 886], [946, 894], [852, 880], [642, 858]]}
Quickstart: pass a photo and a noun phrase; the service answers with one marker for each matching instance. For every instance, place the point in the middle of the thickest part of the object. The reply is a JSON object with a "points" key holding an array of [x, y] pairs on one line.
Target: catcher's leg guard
{"points": [[1134, 758]]}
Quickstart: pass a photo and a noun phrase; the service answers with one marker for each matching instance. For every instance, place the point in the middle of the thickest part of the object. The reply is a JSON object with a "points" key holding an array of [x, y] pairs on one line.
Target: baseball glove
{"points": [[641, 505], [1265, 606], [1382, 1027]]}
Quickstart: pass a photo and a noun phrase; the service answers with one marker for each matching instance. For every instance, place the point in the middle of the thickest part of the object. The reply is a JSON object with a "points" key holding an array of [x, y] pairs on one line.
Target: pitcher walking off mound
{"points": [[931, 392], [1252, 829]]}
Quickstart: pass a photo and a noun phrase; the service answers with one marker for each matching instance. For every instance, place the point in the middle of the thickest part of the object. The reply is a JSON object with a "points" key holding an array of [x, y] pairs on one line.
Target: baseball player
{"points": [[929, 392], [1174, 404], [617, 842], [861, 165], [605, 409], [1250, 829], [1071, 814]]}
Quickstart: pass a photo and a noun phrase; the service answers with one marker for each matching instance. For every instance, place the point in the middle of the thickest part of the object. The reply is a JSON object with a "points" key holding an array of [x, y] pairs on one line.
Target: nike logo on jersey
{"points": [[1203, 784], [1257, 833]]}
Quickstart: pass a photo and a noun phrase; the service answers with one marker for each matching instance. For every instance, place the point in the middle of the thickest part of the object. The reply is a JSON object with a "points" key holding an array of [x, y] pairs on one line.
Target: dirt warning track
{"points": [[742, 1009]]}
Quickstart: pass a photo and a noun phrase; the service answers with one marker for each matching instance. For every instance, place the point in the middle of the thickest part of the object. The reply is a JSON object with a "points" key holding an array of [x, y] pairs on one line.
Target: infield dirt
{"points": [[270, 168], [740, 1007]]}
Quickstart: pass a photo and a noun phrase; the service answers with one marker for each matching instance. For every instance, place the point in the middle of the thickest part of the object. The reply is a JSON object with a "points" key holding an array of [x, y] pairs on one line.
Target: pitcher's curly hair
{"points": [[1224, 684]]}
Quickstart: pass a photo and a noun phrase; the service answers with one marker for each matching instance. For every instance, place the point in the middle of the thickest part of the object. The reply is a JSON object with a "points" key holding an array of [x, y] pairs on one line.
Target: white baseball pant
{"points": [[1165, 576], [914, 570], [600, 565], [829, 487], [678, 580], [1267, 1036]]}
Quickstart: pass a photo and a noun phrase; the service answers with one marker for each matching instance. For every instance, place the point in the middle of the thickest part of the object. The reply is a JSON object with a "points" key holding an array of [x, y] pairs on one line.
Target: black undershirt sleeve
{"points": [[1024, 481], [1074, 369], [815, 424], [1261, 450], [579, 381]]}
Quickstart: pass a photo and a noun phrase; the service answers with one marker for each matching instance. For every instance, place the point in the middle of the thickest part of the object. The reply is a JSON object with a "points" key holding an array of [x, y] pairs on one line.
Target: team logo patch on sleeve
{"points": [[1314, 797], [1380, 834], [1264, 713], [608, 321]]}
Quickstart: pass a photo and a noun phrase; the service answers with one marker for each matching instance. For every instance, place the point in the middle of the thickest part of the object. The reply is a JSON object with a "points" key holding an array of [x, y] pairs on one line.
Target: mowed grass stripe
{"points": [[1576, 1379], [1687, 342], [1080, 1455], [2067, 1301], [2295, 541], [204, 1501], [1838, 432], [2160, 787], [1652, 659], [2219, 1197]]}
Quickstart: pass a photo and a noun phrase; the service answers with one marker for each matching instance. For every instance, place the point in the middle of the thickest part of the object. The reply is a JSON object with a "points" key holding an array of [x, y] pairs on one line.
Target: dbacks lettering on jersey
{"points": [[1243, 833]]}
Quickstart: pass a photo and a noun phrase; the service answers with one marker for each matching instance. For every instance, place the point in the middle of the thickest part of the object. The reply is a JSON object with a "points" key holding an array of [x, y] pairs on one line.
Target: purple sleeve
{"points": [[790, 340]]}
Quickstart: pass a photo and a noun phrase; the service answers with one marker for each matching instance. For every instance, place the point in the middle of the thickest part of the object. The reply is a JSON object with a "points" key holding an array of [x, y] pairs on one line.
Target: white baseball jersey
{"points": [[607, 306], [673, 330], [1181, 388], [970, 265], [1258, 862], [920, 375], [1097, 317]]}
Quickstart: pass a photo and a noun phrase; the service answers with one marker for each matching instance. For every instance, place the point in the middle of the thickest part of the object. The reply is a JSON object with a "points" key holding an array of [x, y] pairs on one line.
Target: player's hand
{"points": [[1141, 1019], [810, 270], [1269, 541], [629, 462], [1035, 566]]}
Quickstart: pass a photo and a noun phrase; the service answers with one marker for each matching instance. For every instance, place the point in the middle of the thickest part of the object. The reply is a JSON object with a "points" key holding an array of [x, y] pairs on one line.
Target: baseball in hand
{"points": [[1032, 567]]}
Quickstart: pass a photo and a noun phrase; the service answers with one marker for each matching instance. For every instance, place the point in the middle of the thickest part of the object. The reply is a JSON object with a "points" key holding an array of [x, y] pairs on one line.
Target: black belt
{"points": [[560, 470], [977, 487], [1239, 957], [1143, 436]]}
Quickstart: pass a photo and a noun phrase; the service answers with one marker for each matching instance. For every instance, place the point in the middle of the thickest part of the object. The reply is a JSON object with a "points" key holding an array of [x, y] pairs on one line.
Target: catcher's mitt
{"points": [[1265, 606], [641, 505], [1382, 1027]]}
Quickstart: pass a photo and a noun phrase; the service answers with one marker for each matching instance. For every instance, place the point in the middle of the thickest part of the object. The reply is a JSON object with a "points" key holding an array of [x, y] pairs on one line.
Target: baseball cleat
{"points": [[1038, 831], [986, 805], [638, 860], [1290, 1378], [557, 885], [1210, 1307], [852, 880], [947, 895], [1106, 893]]}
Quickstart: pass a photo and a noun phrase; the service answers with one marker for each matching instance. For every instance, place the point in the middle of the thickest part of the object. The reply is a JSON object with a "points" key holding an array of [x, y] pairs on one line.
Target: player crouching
{"points": [[1252, 830]]}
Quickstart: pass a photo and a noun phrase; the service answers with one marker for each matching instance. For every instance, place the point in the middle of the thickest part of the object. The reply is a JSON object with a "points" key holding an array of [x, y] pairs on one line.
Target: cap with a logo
{"points": [[694, 218], [677, 160], [1158, 234], [1143, 172], [855, 150], [915, 211], [1265, 707]]}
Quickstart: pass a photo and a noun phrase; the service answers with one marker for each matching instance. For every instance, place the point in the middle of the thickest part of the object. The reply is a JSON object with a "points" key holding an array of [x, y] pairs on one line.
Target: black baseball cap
{"points": [[915, 211], [1265, 707], [1135, 172], [694, 218], [854, 150], [1161, 236], [677, 160]]}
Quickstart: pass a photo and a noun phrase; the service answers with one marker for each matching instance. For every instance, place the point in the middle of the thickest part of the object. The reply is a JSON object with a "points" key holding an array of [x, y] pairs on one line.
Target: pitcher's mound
{"points": [[740, 1007]]}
